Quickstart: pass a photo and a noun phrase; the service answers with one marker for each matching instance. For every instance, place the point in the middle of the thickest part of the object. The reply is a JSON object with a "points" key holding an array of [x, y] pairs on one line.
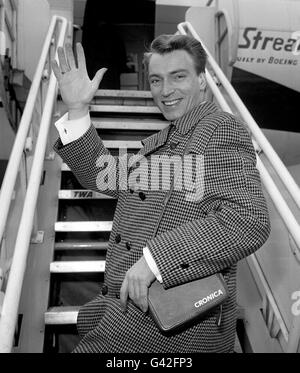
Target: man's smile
{"points": [[170, 103]]}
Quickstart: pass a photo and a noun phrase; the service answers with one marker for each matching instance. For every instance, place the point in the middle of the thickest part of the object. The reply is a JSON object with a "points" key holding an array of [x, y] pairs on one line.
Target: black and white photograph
{"points": [[149, 180]]}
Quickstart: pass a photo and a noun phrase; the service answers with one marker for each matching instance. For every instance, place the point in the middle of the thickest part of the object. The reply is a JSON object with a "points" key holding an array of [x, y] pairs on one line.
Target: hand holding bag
{"points": [[179, 306]]}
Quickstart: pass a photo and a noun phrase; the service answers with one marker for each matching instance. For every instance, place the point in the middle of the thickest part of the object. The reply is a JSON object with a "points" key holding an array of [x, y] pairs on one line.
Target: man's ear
{"points": [[202, 81]]}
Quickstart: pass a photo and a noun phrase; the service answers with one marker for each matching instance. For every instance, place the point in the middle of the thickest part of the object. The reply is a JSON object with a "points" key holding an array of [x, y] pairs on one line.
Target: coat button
{"points": [[184, 265], [173, 145], [104, 290], [128, 246], [142, 196], [118, 238], [117, 295]]}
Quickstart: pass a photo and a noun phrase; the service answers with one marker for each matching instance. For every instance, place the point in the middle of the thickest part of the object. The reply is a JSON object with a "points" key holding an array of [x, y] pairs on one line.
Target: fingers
{"points": [[143, 297], [66, 61], [137, 291], [135, 285], [98, 77], [133, 291], [80, 57], [64, 66], [70, 56], [56, 70]]}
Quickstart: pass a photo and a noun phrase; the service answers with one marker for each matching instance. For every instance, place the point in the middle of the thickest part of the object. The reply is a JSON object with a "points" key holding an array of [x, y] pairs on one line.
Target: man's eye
{"points": [[154, 81], [179, 76]]}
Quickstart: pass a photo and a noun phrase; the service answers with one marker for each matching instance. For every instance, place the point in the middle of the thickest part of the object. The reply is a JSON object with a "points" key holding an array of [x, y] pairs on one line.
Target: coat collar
{"points": [[183, 125], [150, 144], [155, 141]]}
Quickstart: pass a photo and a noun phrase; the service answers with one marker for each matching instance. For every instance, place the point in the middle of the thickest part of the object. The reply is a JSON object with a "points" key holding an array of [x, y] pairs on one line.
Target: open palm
{"points": [[76, 88]]}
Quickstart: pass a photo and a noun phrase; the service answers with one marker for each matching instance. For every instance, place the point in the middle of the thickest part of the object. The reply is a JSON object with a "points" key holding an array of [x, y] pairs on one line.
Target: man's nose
{"points": [[167, 89]]}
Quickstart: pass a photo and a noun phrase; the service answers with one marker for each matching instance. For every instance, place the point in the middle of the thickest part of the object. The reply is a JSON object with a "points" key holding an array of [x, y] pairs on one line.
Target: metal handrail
{"points": [[283, 209], [18, 147], [258, 135], [15, 281]]}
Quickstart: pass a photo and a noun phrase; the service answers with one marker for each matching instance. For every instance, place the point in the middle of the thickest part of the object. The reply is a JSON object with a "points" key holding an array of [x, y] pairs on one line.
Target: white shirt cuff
{"points": [[71, 130], [151, 263]]}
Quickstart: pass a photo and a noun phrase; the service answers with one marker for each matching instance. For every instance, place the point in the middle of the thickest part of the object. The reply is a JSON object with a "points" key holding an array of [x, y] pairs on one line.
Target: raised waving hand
{"points": [[76, 88]]}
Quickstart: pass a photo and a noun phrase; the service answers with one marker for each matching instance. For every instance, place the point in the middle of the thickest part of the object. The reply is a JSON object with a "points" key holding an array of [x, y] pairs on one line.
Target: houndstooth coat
{"points": [[197, 236]]}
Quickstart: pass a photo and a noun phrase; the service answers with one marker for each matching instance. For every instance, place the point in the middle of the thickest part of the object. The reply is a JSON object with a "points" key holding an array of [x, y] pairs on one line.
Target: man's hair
{"points": [[164, 44]]}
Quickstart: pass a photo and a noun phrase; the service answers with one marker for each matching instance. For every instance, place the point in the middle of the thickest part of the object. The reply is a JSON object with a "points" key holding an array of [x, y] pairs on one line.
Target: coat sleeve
{"points": [[93, 165], [236, 221]]}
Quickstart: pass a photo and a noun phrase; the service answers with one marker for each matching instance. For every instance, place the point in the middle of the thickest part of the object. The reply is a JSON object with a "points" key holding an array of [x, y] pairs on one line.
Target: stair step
{"points": [[130, 124], [83, 226], [125, 109], [81, 194], [83, 245], [123, 93], [97, 266], [61, 315], [123, 97]]}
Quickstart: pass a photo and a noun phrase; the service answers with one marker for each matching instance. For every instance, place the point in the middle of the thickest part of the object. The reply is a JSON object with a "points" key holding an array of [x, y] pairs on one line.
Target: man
{"points": [[198, 236]]}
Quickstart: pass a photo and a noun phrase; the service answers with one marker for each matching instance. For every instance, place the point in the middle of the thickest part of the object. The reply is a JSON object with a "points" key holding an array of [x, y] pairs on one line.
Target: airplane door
{"points": [[218, 28]]}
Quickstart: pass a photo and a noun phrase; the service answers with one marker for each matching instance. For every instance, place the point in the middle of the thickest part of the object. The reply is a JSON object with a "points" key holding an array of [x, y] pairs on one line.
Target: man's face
{"points": [[174, 83]]}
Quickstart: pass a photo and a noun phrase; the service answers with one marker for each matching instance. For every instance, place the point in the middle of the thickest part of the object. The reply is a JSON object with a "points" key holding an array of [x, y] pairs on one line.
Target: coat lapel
{"points": [[203, 130], [150, 144], [155, 141]]}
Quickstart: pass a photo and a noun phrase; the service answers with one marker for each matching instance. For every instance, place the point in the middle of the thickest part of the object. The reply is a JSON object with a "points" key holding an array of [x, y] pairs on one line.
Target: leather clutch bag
{"points": [[177, 307]]}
